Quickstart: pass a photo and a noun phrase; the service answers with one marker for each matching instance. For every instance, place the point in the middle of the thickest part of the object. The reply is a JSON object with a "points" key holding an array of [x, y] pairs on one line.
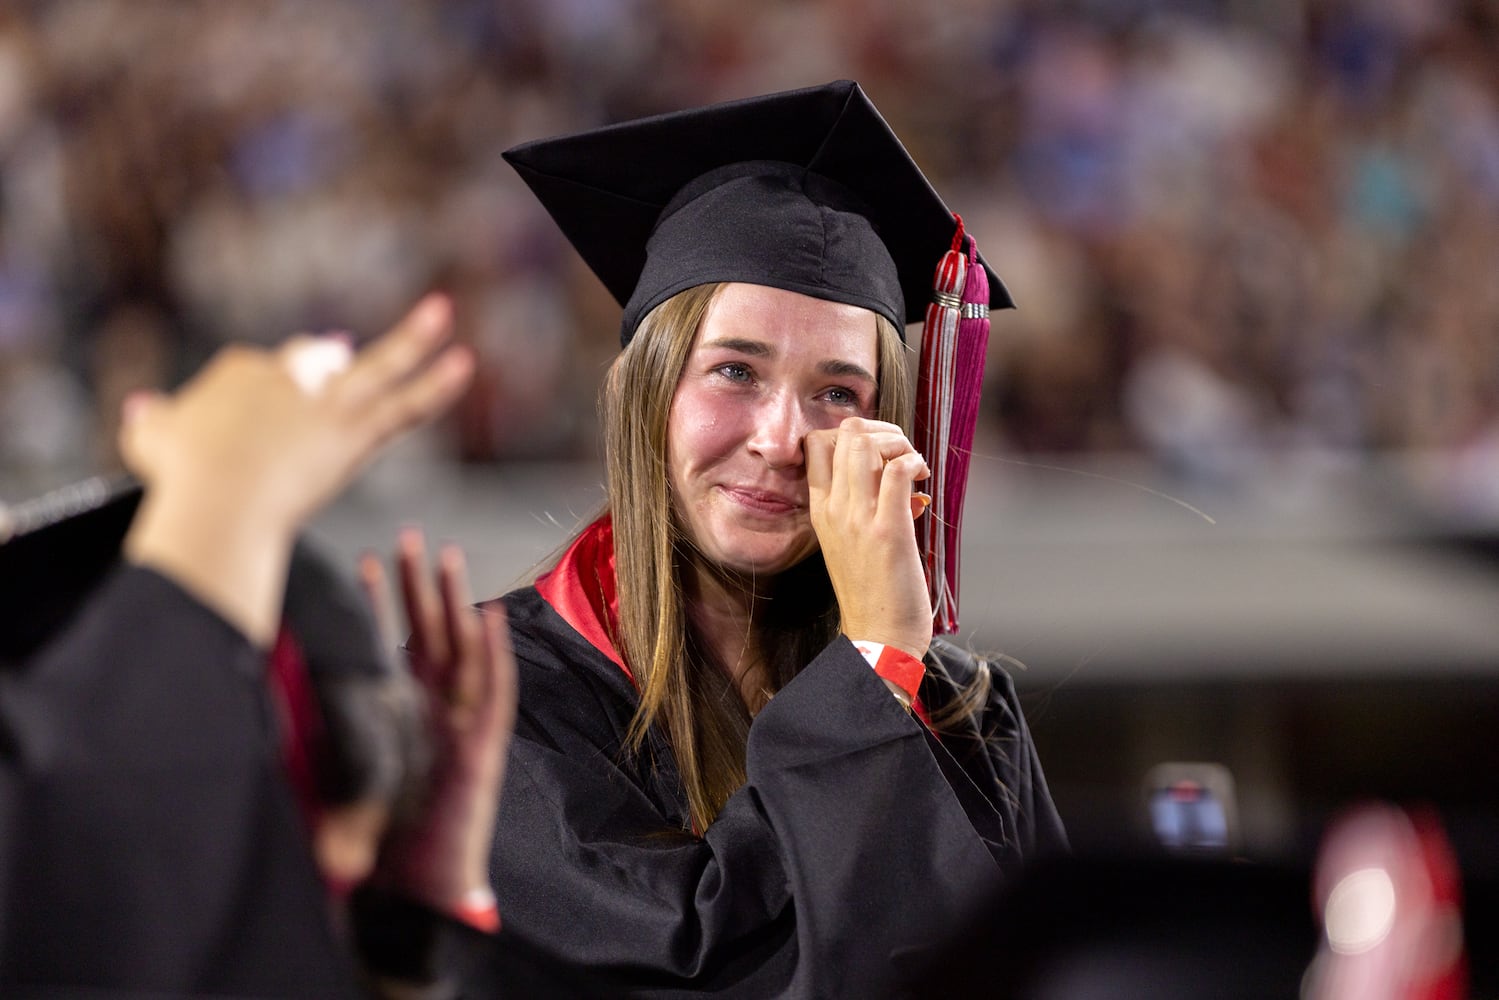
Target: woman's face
{"points": [[766, 367]]}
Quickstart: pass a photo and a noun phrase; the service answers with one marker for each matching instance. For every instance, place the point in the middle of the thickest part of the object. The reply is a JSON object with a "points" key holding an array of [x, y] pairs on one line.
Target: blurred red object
{"points": [[1388, 893]]}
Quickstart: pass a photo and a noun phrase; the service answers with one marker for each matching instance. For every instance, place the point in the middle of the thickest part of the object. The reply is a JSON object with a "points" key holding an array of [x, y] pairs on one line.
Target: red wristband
{"points": [[895, 665], [479, 910]]}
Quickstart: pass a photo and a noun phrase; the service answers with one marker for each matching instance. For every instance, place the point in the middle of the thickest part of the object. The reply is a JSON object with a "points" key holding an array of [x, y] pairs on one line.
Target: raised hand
{"points": [[288, 428], [462, 661], [257, 441], [860, 478]]}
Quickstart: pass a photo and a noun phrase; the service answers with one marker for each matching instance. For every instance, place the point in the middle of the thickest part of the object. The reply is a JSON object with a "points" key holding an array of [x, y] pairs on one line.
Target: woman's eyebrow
{"points": [[845, 369], [835, 367], [744, 345]]}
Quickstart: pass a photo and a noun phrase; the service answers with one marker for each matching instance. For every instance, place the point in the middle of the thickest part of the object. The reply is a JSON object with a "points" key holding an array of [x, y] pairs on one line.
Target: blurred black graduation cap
{"points": [[807, 190], [53, 551], [57, 549]]}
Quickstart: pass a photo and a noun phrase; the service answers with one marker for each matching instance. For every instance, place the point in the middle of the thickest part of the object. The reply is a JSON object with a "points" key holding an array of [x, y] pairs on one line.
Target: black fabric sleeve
{"points": [[147, 840], [835, 871], [1039, 825], [997, 752]]}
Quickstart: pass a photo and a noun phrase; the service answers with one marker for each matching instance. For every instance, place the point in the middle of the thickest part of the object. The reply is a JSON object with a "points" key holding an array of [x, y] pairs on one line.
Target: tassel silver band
{"points": [[975, 310]]}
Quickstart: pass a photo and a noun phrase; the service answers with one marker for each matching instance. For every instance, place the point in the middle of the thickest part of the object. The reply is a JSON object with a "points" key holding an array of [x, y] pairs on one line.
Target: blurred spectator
{"points": [[1232, 228]]}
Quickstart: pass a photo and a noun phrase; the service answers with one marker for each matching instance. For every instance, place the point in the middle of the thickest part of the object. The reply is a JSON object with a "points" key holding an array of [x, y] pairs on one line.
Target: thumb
{"points": [[919, 503], [140, 420]]}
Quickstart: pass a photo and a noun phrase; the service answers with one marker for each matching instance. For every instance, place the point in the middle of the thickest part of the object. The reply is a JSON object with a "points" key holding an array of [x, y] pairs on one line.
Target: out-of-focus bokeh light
{"points": [[1360, 911]]}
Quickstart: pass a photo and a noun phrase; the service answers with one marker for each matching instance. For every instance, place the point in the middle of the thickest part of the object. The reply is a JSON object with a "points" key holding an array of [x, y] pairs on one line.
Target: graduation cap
{"points": [[808, 191], [54, 550], [352, 723]]}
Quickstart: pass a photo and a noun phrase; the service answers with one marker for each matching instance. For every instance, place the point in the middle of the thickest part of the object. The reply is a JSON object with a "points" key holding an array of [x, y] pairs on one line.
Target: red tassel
{"points": [[939, 339], [954, 345]]}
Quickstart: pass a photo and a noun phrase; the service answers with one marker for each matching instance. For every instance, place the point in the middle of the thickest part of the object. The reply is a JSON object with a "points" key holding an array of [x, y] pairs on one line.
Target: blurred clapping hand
{"points": [[256, 442], [462, 662], [237, 460]]}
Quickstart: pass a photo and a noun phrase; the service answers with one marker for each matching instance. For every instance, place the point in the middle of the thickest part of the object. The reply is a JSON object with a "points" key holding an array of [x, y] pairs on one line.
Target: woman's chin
{"points": [[757, 560]]}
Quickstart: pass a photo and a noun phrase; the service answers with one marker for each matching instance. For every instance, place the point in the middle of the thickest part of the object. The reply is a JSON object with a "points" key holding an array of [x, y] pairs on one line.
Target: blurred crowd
{"points": [[1235, 229]]}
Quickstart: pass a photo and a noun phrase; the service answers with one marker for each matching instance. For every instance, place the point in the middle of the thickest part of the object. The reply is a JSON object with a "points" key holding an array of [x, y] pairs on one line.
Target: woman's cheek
{"points": [[701, 432]]}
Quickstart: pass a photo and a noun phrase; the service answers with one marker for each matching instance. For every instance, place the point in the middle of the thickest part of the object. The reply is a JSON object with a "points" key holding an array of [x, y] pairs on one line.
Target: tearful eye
{"points": [[734, 372], [842, 397]]}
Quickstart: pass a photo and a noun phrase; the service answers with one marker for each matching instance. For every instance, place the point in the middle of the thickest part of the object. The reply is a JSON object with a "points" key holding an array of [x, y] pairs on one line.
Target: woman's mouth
{"points": [[761, 501]]}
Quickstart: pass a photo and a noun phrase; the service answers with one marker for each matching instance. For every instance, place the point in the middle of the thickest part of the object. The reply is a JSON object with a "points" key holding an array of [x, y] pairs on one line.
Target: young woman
{"points": [[710, 790]]}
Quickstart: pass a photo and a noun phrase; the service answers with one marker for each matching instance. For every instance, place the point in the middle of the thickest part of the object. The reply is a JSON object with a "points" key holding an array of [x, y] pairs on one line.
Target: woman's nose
{"points": [[780, 428]]}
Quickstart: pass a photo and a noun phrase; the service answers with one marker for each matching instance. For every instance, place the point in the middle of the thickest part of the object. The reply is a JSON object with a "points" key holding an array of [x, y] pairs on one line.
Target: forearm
{"points": [[219, 550]]}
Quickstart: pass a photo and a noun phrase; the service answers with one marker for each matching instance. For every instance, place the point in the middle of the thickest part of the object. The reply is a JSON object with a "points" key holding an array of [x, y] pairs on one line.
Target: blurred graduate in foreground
{"points": [[203, 747]]}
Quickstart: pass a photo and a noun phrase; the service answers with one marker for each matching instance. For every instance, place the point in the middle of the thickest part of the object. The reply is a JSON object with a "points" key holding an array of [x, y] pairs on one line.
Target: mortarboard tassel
{"points": [[934, 398], [968, 386], [954, 344]]}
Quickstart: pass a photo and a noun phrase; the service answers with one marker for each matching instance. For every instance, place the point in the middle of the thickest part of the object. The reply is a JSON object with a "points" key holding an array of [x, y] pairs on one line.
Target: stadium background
{"points": [[1237, 481]]}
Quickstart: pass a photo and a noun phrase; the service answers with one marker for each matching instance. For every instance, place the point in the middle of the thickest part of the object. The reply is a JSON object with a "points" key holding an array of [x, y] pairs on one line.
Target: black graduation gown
{"points": [[150, 844], [859, 844], [148, 840]]}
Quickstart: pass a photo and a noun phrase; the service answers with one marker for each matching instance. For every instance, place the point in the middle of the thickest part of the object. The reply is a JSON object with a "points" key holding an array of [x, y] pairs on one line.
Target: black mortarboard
{"points": [[53, 551], [807, 190]]}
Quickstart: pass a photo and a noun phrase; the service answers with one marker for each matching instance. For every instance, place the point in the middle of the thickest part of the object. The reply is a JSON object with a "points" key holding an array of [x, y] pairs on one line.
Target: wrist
{"points": [[225, 556], [910, 643], [901, 671]]}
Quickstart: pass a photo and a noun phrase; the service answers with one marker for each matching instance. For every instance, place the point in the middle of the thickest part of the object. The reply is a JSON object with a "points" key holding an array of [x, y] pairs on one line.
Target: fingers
{"points": [[140, 415], [874, 467], [895, 494], [460, 655], [397, 354], [424, 396], [430, 648], [313, 360], [817, 449], [136, 404], [441, 855], [868, 538], [376, 589], [483, 680], [397, 383], [465, 632], [919, 503]]}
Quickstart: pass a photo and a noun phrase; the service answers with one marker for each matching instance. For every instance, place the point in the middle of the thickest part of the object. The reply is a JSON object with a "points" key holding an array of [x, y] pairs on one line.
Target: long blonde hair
{"points": [[693, 701]]}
